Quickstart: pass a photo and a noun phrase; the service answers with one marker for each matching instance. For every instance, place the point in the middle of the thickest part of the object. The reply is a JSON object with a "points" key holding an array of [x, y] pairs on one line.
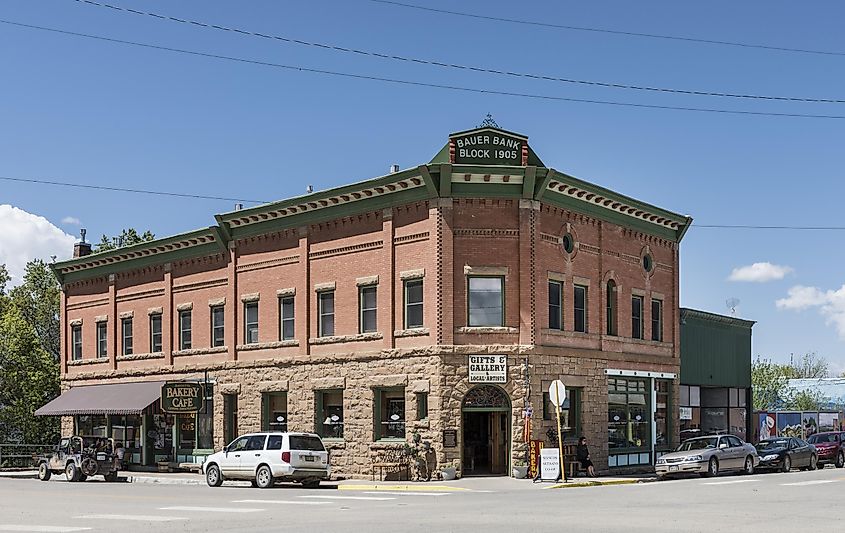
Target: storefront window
{"points": [[91, 425], [391, 413], [629, 413], [690, 411], [126, 432], [662, 389], [330, 413], [274, 406], [160, 435], [570, 412], [196, 430], [187, 431]]}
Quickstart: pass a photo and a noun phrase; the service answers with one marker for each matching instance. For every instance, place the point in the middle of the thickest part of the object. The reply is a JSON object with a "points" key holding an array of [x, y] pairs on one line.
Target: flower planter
{"points": [[520, 472], [449, 473]]}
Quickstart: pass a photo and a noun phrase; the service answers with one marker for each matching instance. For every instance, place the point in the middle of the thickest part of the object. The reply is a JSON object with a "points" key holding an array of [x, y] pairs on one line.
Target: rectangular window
{"points": [[611, 308], [570, 412], [325, 312], [413, 304], [274, 409], [422, 405], [102, 339], [629, 414], [251, 322], [286, 321], [555, 305], [155, 333], [390, 415], [580, 308], [329, 411], [368, 305], [185, 330], [218, 325], [656, 320], [76, 343], [126, 328], [662, 408], [637, 317], [486, 301]]}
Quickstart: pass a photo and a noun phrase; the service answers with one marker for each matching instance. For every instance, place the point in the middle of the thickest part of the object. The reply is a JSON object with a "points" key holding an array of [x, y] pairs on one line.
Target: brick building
{"points": [[440, 300]]}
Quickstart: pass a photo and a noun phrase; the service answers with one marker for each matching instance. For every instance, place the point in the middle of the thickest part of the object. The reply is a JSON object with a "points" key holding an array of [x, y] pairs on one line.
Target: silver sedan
{"points": [[708, 456]]}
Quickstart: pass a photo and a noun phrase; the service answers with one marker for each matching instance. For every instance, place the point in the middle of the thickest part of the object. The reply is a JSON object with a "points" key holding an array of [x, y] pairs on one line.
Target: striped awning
{"points": [[109, 399]]}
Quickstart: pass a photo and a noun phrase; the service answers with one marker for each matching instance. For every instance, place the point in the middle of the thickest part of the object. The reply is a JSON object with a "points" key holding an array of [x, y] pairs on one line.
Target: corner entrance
{"points": [[486, 431]]}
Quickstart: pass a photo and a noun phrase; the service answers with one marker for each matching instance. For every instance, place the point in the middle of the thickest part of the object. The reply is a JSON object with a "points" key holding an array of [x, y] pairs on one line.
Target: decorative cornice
{"points": [[267, 345], [219, 282], [335, 339], [200, 351], [487, 232], [289, 260], [343, 250]]}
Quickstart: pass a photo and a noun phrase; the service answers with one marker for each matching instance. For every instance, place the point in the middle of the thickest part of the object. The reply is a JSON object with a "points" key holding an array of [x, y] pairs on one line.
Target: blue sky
{"points": [[94, 112]]}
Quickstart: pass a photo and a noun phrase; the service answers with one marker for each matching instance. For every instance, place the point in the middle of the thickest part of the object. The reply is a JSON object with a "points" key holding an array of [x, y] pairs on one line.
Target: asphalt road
{"points": [[797, 501]]}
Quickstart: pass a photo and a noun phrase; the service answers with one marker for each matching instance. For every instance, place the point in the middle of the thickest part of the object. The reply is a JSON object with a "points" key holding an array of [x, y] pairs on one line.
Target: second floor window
{"points": [[637, 317], [185, 330], [486, 301], [102, 339], [218, 325], [580, 308], [368, 305], [251, 322], [286, 318], [325, 314], [126, 327], [555, 305], [413, 304], [155, 333], [657, 320], [611, 308], [76, 342]]}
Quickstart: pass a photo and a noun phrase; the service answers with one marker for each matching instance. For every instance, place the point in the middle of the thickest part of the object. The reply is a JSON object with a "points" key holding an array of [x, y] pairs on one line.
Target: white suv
{"points": [[265, 458]]}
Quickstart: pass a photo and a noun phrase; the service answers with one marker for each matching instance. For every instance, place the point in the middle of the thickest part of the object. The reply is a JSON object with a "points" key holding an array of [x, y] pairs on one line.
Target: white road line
{"points": [[411, 493], [212, 509], [369, 498], [131, 517], [42, 529], [291, 502], [732, 482], [813, 482]]}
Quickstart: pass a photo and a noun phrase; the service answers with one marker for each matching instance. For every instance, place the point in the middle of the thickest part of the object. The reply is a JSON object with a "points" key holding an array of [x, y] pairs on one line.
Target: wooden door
{"points": [[498, 442]]}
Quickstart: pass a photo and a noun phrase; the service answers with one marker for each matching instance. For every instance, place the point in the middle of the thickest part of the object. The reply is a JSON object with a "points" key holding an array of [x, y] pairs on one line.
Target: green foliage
{"points": [[37, 298], [809, 366], [770, 382], [127, 237]]}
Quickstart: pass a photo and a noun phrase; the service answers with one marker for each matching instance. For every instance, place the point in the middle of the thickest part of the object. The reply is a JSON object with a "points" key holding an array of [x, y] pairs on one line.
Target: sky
{"points": [[102, 113]]}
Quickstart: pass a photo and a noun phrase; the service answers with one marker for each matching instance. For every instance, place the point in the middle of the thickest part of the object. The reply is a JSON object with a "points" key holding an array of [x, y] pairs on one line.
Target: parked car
{"points": [[830, 446], [786, 453], [707, 456], [80, 458], [265, 458]]}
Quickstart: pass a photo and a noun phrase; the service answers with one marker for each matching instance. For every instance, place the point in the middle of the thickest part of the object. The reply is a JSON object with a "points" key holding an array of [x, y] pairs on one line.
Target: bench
{"points": [[573, 465], [391, 460]]}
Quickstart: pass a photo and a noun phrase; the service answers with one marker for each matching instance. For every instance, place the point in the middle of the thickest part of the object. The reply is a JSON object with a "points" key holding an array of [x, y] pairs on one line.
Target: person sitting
{"points": [[582, 453]]}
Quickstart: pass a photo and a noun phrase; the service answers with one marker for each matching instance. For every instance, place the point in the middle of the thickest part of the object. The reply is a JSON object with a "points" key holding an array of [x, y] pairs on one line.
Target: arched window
{"points": [[611, 308]]}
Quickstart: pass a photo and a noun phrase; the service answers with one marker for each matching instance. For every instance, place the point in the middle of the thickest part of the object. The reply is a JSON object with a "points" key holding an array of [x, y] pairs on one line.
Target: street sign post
{"points": [[557, 394]]}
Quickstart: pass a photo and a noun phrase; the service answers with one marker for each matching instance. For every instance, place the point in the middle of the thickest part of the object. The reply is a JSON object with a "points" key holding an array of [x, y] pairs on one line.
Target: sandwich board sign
{"points": [[549, 464]]}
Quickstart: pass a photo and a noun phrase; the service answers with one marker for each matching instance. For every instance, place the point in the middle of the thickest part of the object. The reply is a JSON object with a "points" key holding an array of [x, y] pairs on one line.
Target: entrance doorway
{"points": [[486, 432]]}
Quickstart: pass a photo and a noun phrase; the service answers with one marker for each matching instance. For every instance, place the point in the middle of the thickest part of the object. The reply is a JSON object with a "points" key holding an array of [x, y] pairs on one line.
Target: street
{"points": [[796, 501]]}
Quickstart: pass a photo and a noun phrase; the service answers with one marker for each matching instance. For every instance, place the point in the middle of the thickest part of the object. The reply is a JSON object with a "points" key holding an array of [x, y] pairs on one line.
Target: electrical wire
{"points": [[455, 66], [424, 84], [609, 31]]}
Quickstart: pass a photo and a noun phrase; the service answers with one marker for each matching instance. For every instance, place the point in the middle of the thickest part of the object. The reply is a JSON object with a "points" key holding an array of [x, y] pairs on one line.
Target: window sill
{"points": [[141, 356], [421, 424], [391, 442], [335, 339], [267, 345], [411, 332], [89, 361], [334, 443], [200, 351], [486, 329]]}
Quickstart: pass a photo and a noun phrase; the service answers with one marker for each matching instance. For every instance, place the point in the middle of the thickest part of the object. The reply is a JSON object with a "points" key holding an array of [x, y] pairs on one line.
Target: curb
{"points": [[402, 488], [19, 475], [596, 483]]}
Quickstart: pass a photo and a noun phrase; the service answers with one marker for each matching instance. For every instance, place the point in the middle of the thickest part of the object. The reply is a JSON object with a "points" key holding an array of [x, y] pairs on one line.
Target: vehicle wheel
{"points": [[787, 464], [311, 483], [712, 468], [814, 462], [749, 466], [82, 477], [840, 460], [72, 472], [264, 477], [111, 477], [44, 472], [213, 477]]}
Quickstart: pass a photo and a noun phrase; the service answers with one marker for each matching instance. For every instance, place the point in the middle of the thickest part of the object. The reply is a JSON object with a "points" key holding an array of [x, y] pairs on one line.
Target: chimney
{"points": [[82, 248], [309, 189], [239, 206], [394, 169]]}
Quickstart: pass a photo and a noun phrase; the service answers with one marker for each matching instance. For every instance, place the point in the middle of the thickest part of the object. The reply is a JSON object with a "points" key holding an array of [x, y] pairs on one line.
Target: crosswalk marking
{"points": [[283, 502], [732, 482], [212, 509], [42, 529], [131, 517], [410, 493], [805, 483], [369, 498]]}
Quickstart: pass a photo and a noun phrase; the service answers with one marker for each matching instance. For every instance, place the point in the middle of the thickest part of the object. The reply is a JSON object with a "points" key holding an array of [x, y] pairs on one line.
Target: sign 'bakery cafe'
{"points": [[488, 146]]}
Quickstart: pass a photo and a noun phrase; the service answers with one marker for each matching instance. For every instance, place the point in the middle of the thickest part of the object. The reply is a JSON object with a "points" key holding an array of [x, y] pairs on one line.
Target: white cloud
{"points": [[73, 221], [759, 272], [830, 303], [24, 237]]}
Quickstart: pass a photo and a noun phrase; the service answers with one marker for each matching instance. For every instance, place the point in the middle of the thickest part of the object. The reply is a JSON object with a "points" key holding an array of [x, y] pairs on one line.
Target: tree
{"points": [[769, 384], [809, 366], [4, 278], [127, 237], [37, 299]]}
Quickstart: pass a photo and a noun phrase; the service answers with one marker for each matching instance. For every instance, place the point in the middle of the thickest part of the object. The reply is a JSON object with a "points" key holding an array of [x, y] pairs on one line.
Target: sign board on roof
{"points": [[488, 146]]}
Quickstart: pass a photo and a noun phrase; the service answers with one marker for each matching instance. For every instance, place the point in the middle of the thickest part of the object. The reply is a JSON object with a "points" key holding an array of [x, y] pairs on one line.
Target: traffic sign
{"points": [[557, 392]]}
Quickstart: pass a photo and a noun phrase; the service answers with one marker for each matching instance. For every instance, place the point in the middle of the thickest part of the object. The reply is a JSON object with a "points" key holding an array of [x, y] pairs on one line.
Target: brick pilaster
{"points": [[528, 275], [387, 284], [441, 210], [115, 325], [233, 303], [168, 323]]}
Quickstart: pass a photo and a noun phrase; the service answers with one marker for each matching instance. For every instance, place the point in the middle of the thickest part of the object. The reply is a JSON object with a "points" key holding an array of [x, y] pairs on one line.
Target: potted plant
{"points": [[520, 469], [449, 471]]}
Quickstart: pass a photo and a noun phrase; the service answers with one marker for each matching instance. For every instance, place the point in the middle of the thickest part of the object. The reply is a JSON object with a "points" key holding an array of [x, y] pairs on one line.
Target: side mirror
{"points": [[225, 449], [723, 446]]}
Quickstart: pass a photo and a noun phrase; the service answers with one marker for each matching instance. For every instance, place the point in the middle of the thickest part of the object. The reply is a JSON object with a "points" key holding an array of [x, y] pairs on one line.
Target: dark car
{"points": [[786, 453], [830, 446]]}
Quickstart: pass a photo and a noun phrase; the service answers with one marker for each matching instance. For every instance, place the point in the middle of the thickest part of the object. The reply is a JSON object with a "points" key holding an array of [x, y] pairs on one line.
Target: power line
{"points": [[483, 70], [424, 84], [137, 191], [609, 31]]}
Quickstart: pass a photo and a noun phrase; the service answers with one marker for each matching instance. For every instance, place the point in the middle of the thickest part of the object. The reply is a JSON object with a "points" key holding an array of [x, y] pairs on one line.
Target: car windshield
{"points": [[772, 444], [816, 439], [697, 444], [307, 443]]}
